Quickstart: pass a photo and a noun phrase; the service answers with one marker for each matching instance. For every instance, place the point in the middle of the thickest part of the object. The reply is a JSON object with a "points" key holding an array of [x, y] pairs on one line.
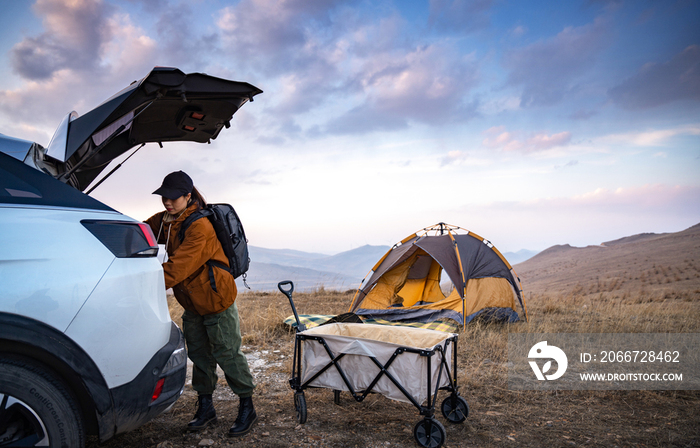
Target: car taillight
{"points": [[158, 389], [124, 239], [148, 233]]}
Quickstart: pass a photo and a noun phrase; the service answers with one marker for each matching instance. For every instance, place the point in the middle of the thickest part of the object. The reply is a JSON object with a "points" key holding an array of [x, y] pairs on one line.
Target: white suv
{"points": [[86, 341]]}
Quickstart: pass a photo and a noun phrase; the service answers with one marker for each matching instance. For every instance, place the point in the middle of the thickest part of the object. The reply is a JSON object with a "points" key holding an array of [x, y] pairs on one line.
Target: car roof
{"points": [[23, 184]]}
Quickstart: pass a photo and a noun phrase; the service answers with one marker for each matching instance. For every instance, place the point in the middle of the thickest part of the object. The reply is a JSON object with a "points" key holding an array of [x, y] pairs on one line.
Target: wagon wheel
{"points": [[300, 406], [455, 409], [429, 433]]}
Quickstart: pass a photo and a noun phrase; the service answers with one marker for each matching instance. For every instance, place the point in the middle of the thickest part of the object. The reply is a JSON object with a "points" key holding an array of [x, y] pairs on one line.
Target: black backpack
{"points": [[230, 234]]}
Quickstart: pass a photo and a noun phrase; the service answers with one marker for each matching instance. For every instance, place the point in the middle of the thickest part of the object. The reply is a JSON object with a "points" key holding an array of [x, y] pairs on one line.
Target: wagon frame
{"points": [[428, 432]]}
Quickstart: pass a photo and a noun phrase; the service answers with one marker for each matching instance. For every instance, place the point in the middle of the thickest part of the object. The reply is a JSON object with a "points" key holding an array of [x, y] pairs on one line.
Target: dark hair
{"points": [[198, 198]]}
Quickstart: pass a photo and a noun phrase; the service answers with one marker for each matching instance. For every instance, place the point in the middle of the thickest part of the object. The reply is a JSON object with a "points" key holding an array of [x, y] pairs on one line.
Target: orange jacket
{"points": [[186, 270]]}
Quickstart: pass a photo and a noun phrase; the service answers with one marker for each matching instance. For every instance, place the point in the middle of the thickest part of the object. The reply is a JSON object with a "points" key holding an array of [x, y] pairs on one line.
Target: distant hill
{"points": [[519, 256], [648, 262], [311, 270], [266, 276], [285, 257]]}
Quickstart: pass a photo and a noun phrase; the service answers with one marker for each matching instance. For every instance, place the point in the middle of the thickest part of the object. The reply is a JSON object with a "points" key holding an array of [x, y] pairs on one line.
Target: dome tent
{"points": [[404, 285]]}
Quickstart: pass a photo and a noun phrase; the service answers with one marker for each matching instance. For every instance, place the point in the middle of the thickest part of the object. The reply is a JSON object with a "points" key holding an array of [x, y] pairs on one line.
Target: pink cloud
{"points": [[74, 35], [499, 138], [540, 142]]}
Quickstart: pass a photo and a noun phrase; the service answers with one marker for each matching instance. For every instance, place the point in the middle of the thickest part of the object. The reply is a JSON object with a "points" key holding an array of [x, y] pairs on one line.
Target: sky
{"points": [[530, 124]]}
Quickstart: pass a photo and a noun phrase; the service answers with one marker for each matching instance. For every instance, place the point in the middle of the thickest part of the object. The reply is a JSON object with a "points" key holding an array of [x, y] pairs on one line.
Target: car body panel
{"points": [[26, 186], [133, 404], [15, 147], [71, 293], [38, 248], [133, 325], [59, 141]]}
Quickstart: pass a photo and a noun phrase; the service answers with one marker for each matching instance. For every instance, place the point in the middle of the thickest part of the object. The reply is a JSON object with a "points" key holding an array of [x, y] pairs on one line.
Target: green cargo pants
{"points": [[216, 339]]}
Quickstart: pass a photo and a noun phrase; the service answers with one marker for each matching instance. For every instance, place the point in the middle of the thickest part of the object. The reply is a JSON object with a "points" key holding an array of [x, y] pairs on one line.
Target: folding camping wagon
{"points": [[402, 363]]}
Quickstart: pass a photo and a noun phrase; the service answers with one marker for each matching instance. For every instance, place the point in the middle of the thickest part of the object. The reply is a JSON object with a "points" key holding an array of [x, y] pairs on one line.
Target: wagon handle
{"points": [[288, 293]]}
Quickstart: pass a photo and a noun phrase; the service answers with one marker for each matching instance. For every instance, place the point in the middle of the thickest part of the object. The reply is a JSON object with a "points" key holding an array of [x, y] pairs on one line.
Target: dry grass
{"points": [[641, 284], [262, 313], [499, 417]]}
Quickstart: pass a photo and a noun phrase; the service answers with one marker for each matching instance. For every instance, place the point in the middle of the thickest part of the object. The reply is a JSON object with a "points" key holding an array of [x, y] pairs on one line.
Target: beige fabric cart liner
{"points": [[359, 342]]}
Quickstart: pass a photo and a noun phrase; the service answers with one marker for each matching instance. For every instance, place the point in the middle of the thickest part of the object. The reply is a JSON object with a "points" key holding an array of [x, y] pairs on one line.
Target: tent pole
{"points": [[464, 280]]}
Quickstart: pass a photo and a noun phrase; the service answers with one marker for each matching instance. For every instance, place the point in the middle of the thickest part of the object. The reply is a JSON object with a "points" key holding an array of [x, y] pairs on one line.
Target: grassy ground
{"points": [[498, 416]]}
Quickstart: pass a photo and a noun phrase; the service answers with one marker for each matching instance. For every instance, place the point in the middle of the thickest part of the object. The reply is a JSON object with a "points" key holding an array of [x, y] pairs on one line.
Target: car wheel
{"points": [[36, 409]]}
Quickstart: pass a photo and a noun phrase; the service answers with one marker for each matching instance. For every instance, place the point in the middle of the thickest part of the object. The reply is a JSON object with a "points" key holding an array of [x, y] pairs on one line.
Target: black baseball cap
{"points": [[175, 184]]}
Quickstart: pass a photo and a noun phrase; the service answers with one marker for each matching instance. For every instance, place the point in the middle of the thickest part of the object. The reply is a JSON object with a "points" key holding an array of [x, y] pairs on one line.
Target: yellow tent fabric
{"points": [[405, 284]]}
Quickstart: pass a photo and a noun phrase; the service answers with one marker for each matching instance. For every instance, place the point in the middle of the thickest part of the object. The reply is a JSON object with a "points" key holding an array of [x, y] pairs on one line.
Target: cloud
{"points": [[179, 44], [518, 31], [462, 158], [130, 53], [127, 56], [592, 217], [75, 34], [365, 119], [275, 36], [583, 114], [499, 138], [614, 4], [604, 206], [567, 164], [546, 70], [428, 85], [658, 137], [540, 142], [659, 84], [356, 65], [496, 105], [640, 199], [461, 16]]}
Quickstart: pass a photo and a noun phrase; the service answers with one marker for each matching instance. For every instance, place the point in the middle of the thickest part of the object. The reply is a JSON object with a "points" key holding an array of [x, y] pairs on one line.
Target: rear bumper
{"points": [[133, 401]]}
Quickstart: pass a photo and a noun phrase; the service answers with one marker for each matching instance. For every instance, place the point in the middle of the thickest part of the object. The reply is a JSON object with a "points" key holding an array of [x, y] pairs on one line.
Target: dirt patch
{"points": [[498, 417]]}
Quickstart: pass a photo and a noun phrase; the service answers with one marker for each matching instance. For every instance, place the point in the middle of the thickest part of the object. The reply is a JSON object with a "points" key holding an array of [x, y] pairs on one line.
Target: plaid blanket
{"points": [[314, 320]]}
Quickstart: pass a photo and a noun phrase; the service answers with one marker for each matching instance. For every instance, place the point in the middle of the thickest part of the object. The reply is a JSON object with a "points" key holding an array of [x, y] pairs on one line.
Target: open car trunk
{"points": [[167, 105]]}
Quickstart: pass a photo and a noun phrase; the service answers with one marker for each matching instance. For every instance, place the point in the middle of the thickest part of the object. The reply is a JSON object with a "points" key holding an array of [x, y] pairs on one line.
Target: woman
{"points": [[210, 321]]}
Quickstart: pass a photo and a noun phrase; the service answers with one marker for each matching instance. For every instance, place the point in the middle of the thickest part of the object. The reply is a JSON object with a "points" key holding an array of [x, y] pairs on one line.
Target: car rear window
{"points": [[22, 184]]}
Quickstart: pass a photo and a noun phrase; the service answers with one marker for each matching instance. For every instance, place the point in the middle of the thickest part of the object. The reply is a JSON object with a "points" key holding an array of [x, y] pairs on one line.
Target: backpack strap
{"points": [[214, 263], [189, 220], [181, 234]]}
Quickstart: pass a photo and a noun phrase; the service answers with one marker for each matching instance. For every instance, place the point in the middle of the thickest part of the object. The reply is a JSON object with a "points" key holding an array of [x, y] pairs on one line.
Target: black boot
{"points": [[246, 418], [205, 414]]}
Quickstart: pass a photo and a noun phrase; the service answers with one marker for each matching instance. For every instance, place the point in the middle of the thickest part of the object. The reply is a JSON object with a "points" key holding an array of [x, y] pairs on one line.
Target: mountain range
{"points": [[646, 262], [310, 270]]}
